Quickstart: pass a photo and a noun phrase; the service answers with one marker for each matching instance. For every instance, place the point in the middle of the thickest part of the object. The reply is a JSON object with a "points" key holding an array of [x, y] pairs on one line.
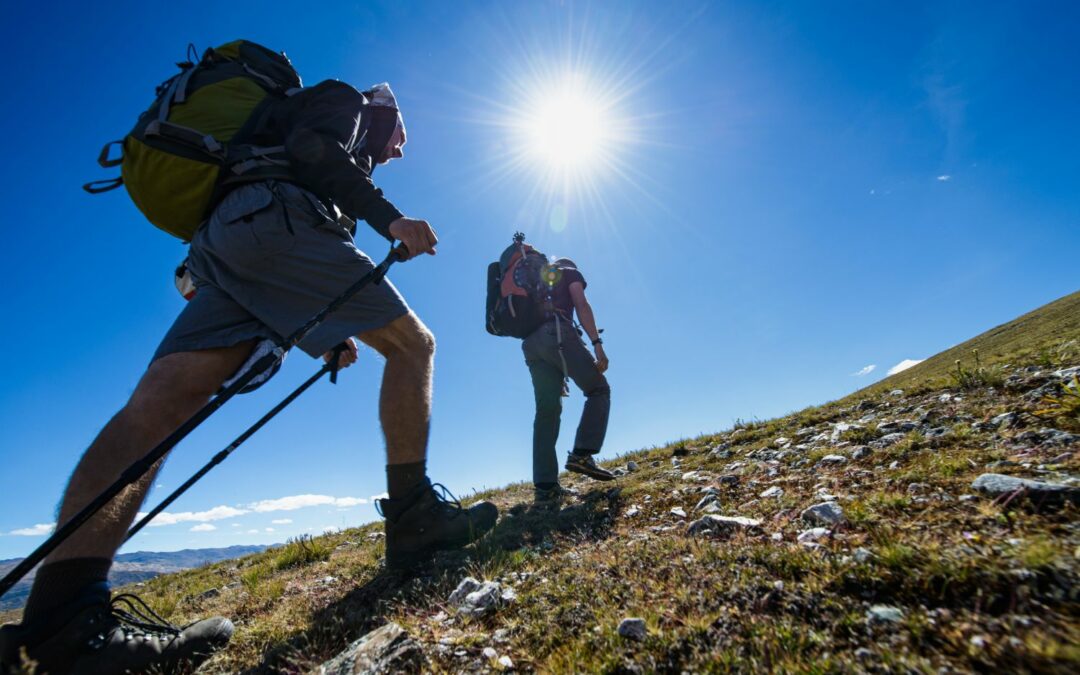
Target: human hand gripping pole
{"points": [[139, 468]]}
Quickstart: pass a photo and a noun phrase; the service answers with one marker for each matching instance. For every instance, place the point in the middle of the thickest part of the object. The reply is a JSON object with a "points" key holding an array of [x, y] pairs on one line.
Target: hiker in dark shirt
{"points": [[271, 255], [556, 351]]}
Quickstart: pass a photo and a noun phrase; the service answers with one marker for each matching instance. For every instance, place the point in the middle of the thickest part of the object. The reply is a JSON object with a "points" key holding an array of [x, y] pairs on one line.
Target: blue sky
{"points": [[787, 194]]}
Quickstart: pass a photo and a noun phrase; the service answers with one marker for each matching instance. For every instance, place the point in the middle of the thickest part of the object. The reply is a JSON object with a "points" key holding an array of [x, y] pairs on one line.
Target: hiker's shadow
{"points": [[365, 608]]}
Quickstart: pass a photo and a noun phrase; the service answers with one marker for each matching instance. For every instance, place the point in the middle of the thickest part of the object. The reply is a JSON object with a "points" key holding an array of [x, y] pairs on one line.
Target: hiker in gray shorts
{"points": [[272, 254], [556, 351]]}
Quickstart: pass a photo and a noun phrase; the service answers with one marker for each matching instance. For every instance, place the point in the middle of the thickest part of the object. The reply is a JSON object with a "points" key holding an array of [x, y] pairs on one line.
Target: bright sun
{"points": [[566, 128]]}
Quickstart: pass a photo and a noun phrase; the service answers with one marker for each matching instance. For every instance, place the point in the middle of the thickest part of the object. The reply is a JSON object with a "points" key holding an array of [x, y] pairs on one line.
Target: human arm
{"points": [[588, 322], [324, 129]]}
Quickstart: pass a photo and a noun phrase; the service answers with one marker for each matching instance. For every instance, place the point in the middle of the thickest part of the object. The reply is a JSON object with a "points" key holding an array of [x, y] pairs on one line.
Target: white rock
{"points": [[506, 662], [713, 524], [833, 460], [467, 585], [774, 491], [490, 653], [813, 535], [678, 512], [862, 555], [632, 511], [825, 513], [885, 614]]}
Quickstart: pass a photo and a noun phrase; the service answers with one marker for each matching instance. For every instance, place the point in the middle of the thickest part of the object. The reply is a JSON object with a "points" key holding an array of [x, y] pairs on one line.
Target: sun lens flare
{"points": [[573, 111], [567, 127]]}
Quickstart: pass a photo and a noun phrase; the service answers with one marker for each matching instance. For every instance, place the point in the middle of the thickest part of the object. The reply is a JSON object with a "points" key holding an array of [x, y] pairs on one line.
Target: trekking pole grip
{"points": [[400, 253]]}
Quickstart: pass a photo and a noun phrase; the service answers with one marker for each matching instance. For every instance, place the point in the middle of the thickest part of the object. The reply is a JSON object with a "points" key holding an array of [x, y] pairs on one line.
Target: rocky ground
{"points": [[927, 529], [930, 530]]}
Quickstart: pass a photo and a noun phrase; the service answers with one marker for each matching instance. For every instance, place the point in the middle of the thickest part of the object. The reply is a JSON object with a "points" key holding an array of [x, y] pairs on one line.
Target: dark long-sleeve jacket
{"points": [[329, 135]]}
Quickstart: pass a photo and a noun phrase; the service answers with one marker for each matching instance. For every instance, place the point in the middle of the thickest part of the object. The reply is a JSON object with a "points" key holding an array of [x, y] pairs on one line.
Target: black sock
{"points": [[403, 479], [582, 452], [58, 583], [545, 486]]}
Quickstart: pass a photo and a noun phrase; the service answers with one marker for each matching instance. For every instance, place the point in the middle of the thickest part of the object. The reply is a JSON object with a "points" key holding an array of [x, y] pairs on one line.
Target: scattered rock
{"points": [[885, 614], [860, 451], [473, 598], [712, 524], [1037, 493], [862, 555], [490, 653], [774, 491], [813, 535], [1005, 420], [633, 629], [1057, 437], [384, 650], [209, 593], [887, 440], [832, 460], [632, 466], [1067, 374], [506, 662], [840, 427], [705, 501], [678, 512], [825, 513]]}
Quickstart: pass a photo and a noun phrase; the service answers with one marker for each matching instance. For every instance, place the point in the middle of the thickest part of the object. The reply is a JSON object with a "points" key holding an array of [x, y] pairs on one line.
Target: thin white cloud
{"points": [[252, 531], [944, 178], [35, 531], [205, 527], [866, 370], [384, 495], [301, 501], [269, 529], [904, 365], [216, 513], [281, 521]]}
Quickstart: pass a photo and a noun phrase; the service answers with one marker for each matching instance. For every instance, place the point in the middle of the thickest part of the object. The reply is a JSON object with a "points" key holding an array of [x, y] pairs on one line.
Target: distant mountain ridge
{"points": [[133, 567]]}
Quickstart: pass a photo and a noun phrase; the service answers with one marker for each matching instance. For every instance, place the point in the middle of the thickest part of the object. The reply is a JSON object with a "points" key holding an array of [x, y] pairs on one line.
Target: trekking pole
{"points": [[142, 466], [330, 367]]}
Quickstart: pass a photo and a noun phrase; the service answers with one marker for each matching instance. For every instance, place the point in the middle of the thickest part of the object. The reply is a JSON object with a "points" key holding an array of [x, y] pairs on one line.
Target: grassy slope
{"points": [[1036, 337], [983, 586]]}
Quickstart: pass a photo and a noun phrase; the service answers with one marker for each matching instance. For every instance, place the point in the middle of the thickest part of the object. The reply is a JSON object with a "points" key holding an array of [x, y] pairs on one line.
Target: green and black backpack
{"points": [[187, 149], [519, 287]]}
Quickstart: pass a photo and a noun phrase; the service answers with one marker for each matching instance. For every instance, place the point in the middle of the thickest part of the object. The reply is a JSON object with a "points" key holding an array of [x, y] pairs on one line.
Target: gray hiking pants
{"points": [[546, 367]]}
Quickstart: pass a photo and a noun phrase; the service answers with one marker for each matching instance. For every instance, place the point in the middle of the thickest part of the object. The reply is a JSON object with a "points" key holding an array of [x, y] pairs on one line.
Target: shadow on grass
{"points": [[365, 608]]}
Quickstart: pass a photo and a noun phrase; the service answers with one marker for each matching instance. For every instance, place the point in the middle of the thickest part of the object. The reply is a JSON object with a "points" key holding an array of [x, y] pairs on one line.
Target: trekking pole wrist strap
{"points": [[598, 341]]}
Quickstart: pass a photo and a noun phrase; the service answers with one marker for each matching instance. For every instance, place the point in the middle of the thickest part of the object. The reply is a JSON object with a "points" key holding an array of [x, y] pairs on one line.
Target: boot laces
{"points": [[445, 500], [137, 619]]}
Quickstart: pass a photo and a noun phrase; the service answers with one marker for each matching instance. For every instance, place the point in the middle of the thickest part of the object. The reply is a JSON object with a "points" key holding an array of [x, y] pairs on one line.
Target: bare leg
{"points": [[405, 397], [173, 388]]}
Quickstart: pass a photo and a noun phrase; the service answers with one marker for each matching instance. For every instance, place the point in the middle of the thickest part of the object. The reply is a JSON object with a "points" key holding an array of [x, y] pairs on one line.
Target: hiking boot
{"points": [[586, 465], [431, 520], [553, 496], [93, 635]]}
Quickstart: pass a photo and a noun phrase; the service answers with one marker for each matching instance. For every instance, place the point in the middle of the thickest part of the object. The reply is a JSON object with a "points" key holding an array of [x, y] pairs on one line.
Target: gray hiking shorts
{"points": [[269, 259]]}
